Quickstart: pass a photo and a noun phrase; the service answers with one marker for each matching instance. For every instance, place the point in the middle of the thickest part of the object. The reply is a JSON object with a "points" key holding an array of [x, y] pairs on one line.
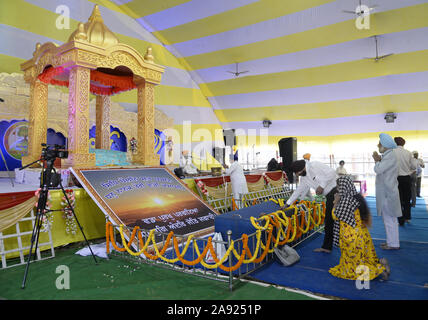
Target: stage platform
{"points": [[7, 186], [87, 212]]}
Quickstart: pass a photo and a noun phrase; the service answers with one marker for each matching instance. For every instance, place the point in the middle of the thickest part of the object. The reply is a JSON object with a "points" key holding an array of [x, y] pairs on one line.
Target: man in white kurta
{"points": [[387, 195], [320, 177], [186, 163], [237, 179], [340, 170]]}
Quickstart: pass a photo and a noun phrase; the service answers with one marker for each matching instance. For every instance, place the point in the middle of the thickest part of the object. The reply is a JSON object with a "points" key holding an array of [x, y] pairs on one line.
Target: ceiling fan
{"points": [[377, 58], [361, 11], [237, 73]]}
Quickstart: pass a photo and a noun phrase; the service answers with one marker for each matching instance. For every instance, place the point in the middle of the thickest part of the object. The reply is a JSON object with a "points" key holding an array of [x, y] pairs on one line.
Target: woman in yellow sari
{"points": [[358, 256]]}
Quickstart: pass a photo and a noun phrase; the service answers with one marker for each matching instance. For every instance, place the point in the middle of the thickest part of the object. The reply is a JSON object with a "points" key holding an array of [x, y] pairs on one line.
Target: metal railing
{"points": [[171, 259], [226, 204]]}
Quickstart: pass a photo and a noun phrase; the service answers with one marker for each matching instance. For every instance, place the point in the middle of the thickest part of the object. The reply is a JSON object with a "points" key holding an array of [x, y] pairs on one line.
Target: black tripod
{"points": [[48, 180]]}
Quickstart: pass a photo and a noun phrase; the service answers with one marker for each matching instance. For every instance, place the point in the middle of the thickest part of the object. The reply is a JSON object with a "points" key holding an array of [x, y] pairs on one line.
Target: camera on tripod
{"points": [[50, 152], [49, 179]]}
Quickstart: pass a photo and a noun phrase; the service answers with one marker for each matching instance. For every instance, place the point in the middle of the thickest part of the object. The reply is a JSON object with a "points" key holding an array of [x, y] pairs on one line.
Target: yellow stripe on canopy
{"points": [[109, 5], [10, 64], [26, 16], [408, 62], [233, 19], [380, 23], [409, 102], [140, 8]]}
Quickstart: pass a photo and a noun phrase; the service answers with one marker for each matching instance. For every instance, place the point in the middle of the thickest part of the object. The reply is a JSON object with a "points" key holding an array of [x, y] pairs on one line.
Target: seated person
{"points": [[341, 169], [186, 163]]}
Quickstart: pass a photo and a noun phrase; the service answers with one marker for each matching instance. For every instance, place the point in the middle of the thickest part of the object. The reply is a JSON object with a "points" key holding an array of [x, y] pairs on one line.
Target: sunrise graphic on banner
{"points": [[151, 198]]}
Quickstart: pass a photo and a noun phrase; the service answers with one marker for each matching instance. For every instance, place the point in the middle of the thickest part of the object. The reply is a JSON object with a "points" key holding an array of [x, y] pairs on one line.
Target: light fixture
{"points": [[390, 117], [267, 123]]}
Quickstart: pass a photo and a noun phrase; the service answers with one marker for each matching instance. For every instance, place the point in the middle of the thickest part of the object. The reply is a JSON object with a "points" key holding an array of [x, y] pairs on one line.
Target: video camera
{"points": [[51, 152]]}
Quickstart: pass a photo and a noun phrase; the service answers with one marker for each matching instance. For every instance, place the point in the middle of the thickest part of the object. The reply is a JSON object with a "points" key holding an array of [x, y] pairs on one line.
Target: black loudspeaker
{"points": [[288, 150], [229, 137], [218, 154], [288, 153]]}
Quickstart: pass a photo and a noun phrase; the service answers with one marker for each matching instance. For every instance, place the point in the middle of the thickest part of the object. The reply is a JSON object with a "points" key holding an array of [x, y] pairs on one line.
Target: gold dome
{"points": [[95, 31]]}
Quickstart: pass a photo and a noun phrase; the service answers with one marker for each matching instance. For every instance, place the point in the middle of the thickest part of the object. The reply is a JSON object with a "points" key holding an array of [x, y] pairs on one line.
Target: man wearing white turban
{"points": [[387, 195]]}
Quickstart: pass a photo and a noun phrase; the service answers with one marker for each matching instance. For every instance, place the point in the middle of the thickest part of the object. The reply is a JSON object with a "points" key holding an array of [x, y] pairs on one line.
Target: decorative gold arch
{"points": [[91, 49]]}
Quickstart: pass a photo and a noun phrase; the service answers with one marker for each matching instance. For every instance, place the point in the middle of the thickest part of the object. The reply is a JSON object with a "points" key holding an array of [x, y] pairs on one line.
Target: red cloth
{"points": [[274, 175], [101, 83], [9, 200], [253, 178], [214, 182]]}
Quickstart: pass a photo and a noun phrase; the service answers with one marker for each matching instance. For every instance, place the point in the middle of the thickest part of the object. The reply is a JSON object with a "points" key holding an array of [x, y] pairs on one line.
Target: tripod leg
{"points": [[34, 240], [78, 223]]}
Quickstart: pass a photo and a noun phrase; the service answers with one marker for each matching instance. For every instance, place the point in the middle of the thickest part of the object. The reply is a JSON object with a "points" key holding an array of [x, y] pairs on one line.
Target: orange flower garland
{"points": [[298, 228]]}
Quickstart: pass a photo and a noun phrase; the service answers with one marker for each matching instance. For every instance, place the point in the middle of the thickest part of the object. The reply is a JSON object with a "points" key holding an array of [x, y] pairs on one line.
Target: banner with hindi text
{"points": [[149, 197]]}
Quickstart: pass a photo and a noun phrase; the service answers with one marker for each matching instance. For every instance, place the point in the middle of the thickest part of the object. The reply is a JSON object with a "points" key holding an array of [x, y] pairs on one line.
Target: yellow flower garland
{"points": [[278, 219]]}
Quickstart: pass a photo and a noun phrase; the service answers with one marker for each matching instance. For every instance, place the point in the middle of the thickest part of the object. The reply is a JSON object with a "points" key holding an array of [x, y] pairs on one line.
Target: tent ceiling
{"points": [[306, 59]]}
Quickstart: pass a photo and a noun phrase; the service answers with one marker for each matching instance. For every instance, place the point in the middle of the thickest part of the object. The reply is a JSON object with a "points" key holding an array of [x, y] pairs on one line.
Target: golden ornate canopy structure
{"points": [[92, 61]]}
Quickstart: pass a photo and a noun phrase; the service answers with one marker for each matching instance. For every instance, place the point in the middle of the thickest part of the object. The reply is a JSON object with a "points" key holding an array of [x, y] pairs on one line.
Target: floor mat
{"points": [[408, 265]]}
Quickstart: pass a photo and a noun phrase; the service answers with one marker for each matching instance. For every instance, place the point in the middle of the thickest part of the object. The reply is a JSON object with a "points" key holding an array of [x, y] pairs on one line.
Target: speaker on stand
{"points": [[229, 142], [288, 153], [218, 154], [229, 137]]}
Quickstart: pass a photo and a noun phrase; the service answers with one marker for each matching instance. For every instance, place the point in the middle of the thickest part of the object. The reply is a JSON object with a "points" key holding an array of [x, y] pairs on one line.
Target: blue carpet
{"points": [[408, 265], [416, 230]]}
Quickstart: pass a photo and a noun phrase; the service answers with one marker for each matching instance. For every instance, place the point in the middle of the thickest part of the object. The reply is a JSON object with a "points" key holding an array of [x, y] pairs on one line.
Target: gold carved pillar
{"points": [[102, 124], [78, 118], [38, 120], [146, 125]]}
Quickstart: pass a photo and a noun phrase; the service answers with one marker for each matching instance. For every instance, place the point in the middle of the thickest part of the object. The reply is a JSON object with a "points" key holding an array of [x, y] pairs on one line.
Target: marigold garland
{"points": [[200, 256], [47, 219], [278, 220], [70, 221]]}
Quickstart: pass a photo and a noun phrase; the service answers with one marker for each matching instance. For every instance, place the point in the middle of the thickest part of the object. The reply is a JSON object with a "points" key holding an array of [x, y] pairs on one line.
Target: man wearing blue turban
{"points": [[387, 195]]}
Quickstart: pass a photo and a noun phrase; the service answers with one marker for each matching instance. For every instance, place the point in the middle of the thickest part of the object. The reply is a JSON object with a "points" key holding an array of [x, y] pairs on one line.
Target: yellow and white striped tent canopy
{"points": [[307, 65]]}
